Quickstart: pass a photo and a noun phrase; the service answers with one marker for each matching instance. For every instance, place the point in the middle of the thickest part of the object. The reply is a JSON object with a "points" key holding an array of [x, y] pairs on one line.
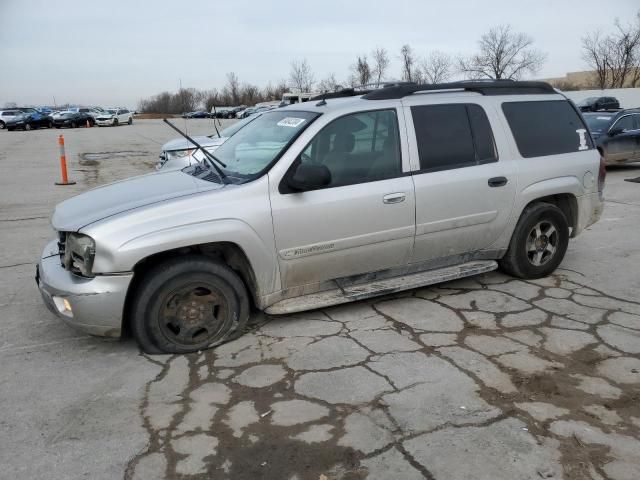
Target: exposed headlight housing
{"points": [[77, 253], [171, 154]]}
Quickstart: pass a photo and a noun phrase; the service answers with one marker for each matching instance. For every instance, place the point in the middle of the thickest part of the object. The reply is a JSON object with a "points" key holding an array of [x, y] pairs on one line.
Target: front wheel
{"points": [[539, 242], [130, 122], [73, 124], [27, 127], [188, 304], [2, 125], [115, 122]]}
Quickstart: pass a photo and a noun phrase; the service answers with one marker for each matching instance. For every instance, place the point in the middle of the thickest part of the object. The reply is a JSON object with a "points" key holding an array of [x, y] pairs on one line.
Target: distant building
{"points": [[583, 80]]}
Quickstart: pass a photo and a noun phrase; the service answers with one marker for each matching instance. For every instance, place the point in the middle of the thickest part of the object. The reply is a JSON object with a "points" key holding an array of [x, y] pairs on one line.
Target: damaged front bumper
{"points": [[92, 305]]}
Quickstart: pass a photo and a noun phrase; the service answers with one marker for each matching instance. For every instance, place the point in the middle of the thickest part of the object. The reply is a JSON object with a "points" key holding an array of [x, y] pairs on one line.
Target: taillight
{"points": [[602, 173]]}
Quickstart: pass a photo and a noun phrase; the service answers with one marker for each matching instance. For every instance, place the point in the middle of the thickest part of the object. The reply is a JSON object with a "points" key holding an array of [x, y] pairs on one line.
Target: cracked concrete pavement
{"points": [[488, 377]]}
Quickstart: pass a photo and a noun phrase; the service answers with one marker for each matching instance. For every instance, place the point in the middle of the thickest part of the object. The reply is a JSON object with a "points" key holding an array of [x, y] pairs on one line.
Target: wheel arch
{"points": [[229, 253]]}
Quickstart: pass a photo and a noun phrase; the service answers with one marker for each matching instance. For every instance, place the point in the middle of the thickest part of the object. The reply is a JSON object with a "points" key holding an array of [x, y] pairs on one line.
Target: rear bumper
{"points": [[590, 209], [96, 303]]}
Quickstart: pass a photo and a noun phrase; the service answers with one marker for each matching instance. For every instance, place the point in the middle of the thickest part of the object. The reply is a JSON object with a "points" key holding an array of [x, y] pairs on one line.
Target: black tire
{"points": [[27, 127], [529, 254], [115, 122], [130, 122], [50, 125], [2, 125], [73, 125], [188, 304]]}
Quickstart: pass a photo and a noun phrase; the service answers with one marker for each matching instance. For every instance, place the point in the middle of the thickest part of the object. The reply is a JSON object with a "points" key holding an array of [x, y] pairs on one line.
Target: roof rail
{"points": [[361, 89], [484, 87]]}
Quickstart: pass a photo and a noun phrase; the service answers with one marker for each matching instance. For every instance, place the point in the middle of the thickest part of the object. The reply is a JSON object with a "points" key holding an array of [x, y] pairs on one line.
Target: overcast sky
{"points": [[115, 52]]}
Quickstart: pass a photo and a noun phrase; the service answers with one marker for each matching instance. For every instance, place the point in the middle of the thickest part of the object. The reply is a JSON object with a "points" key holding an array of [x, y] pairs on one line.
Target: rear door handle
{"points": [[394, 197], [497, 181]]}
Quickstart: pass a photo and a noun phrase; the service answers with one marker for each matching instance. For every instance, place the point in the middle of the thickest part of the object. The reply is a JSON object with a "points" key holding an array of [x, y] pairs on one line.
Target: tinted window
{"points": [[452, 136], [624, 123], [358, 148], [482, 134], [545, 128], [636, 117]]}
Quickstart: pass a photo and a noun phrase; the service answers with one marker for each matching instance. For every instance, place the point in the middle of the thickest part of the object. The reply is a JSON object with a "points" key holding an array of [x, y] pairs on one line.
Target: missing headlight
{"points": [[79, 252]]}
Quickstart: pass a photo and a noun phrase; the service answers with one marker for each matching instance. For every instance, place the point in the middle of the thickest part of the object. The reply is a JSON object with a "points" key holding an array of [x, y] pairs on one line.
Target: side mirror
{"points": [[309, 177], [615, 131]]}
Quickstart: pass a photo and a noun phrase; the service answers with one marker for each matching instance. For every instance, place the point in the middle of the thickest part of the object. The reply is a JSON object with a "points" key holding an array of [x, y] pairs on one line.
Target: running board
{"points": [[380, 287]]}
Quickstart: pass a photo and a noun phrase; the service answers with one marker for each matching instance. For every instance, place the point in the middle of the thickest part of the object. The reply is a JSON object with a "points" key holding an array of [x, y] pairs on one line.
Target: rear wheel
{"points": [[2, 125], [188, 304], [73, 124], [130, 122], [539, 242], [50, 125], [27, 126]]}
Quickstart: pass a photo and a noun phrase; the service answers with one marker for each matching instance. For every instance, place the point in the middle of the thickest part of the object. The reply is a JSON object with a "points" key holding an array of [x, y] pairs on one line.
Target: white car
{"points": [[95, 112], [6, 115], [113, 117], [180, 153]]}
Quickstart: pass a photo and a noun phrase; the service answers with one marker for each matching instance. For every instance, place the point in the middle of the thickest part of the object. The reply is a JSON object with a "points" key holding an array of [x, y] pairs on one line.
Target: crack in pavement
{"points": [[366, 385]]}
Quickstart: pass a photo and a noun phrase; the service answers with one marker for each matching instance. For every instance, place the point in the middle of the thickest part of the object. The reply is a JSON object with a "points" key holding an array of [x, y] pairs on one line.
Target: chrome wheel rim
{"points": [[542, 243], [193, 315]]}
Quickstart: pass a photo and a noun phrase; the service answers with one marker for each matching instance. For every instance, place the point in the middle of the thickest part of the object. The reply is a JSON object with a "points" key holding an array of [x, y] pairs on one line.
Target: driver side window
{"points": [[358, 148]]}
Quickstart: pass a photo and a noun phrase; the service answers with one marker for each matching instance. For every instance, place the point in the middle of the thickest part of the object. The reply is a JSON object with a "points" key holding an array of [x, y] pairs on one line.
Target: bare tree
{"points": [[380, 64], [436, 67], [329, 84], [10, 105], [408, 61], [503, 55], [361, 71], [596, 53], [614, 58], [301, 76], [231, 91]]}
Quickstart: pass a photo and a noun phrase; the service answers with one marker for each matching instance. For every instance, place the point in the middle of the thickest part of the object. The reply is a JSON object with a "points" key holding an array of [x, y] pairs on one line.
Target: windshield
{"points": [[112, 112], [598, 123], [232, 129], [253, 148]]}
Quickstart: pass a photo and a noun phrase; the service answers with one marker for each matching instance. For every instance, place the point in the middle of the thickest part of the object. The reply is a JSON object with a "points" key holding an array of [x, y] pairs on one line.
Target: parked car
{"points": [[180, 153], [29, 120], [593, 104], [73, 120], [7, 115], [328, 202], [617, 134], [244, 113], [114, 117], [95, 112]]}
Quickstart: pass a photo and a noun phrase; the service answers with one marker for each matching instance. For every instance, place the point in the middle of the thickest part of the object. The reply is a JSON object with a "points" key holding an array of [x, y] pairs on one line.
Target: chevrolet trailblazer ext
{"points": [[328, 202]]}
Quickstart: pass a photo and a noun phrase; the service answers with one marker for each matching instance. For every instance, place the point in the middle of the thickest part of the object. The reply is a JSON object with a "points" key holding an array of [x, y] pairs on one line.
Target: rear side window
{"points": [[546, 128], [452, 136]]}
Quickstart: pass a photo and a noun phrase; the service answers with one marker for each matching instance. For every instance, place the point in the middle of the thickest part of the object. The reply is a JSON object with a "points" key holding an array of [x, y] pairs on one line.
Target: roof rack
{"points": [[484, 87], [361, 90]]}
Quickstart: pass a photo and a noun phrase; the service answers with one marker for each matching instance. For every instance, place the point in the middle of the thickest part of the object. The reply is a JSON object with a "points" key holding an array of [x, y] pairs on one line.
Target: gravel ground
{"points": [[483, 378]]}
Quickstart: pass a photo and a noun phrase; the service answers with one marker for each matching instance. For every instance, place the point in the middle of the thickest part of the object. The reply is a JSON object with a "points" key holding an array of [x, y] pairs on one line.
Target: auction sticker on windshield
{"points": [[292, 122]]}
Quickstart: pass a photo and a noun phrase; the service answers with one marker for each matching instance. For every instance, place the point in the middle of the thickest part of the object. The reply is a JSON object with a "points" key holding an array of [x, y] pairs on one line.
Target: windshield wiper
{"points": [[208, 155]]}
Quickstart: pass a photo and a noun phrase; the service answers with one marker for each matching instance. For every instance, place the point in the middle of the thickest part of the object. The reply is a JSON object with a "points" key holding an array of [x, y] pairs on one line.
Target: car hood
{"points": [[183, 143], [118, 197]]}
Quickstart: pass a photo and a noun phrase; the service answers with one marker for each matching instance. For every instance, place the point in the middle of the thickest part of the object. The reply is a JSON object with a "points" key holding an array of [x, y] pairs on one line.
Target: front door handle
{"points": [[497, 181], [394, 198]]}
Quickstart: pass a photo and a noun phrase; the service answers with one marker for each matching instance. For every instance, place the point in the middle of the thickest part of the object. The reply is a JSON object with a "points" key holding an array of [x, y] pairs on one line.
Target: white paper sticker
{"points": [[582, 135], [292, 122]]}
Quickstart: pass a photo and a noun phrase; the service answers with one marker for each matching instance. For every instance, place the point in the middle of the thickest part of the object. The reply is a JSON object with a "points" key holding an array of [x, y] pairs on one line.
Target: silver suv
{"points": [[326, 202]]}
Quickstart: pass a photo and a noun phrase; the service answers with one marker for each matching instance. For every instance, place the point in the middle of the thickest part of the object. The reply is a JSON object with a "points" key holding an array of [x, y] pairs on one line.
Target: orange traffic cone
{"points": [[63, 164], [88, 124]]}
